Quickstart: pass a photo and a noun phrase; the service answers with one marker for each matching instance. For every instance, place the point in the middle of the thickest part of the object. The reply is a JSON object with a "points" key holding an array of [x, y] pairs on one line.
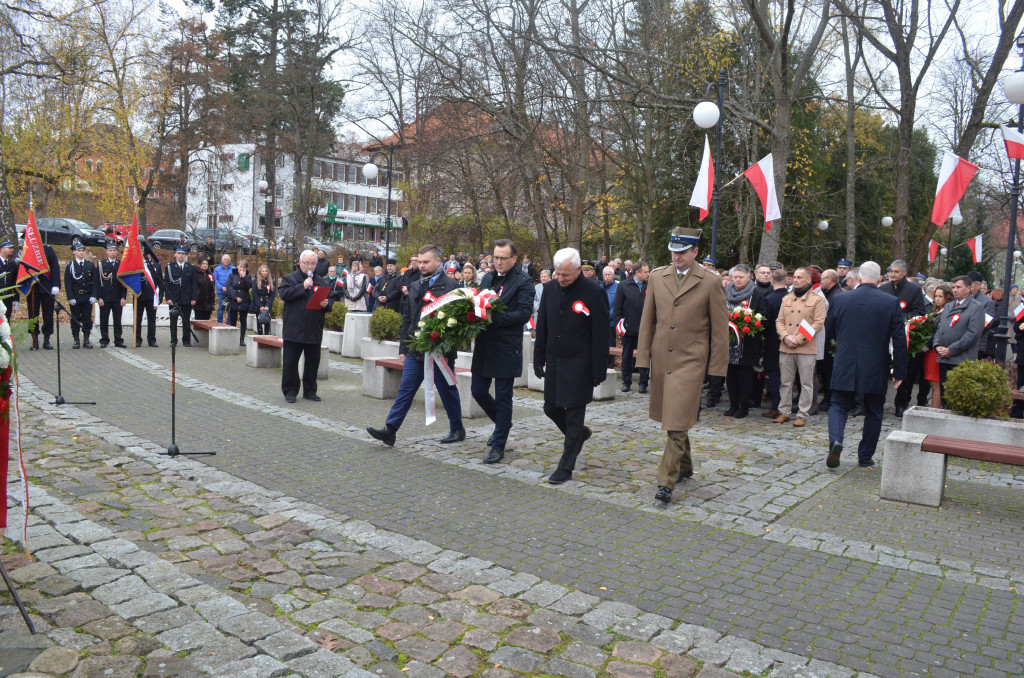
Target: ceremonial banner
{"points": [[954, 176], [130, 270], [705, 186], [974, 244], [762, 178], [31, 253]]}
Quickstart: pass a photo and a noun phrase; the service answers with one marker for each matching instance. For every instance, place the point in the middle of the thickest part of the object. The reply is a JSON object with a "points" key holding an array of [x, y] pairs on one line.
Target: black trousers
{"points": [[943, 371], [498, 408], [714, 390], [105, 310], [9, 303], [738, 381], [81, 317], [629, 342], [825, 374], [915, 367], [143, 306], [569, 421], [233, 317], [611, 344], [41, 300], [185, 312], [290, 368]]}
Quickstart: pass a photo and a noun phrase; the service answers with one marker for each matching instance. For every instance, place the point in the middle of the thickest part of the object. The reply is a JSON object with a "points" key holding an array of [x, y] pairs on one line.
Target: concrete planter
{"points": [[276, 327], [372, 348], [945, 423], [333, 340], [524, 379], [357, 326], [163, 316]]}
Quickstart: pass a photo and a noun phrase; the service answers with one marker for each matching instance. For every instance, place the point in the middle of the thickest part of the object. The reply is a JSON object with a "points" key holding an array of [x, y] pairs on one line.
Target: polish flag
{"points": [[954, 176], [762, 178], [974, 245], [1014, 141], [933, 250], [806, 330], [1018, 312], [705, 185]]}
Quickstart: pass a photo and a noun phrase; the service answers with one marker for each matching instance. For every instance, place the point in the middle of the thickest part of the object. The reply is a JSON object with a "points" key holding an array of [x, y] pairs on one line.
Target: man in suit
{"points": [[302, 329], [110, 294], [863, 322], [81, 283], [8, 276], [411, 275], [627, 309], [570, 353], [182, 290], [959, 331], [41, 297], [432, 284], [772, 342], [148, 297], [684, 332], [498, 353], [830, 287], [986, 339], [911, 299]]}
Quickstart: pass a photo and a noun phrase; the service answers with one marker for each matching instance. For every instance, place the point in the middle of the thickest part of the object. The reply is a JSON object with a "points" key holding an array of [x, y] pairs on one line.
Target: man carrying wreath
{"points": [[432, 284]]}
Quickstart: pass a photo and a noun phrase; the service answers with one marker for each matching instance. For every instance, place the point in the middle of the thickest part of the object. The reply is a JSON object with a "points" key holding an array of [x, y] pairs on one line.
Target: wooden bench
{"points": [[915, 463], [617, 351], [219, 338], [383, 376], [264, 350]]}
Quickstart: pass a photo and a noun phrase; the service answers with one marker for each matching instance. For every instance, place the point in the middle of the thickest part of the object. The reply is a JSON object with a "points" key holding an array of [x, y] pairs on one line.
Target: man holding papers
{"points": [[864, 321], [307, 298], [801, 318]]}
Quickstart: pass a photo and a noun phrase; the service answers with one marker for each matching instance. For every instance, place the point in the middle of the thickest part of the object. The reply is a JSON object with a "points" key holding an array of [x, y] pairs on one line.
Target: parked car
{"points": [[311, 243], [169, 238], [115, 231], [224, 239], [61, 231]]}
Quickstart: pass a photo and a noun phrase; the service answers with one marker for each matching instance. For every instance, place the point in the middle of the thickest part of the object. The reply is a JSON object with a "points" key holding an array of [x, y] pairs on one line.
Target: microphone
{"points": [[310, 273]]}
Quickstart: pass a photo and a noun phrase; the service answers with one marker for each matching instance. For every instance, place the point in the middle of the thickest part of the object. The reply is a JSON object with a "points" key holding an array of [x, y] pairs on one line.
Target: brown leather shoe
{"points": [[770, 414], [781, 419], [799, 421]]}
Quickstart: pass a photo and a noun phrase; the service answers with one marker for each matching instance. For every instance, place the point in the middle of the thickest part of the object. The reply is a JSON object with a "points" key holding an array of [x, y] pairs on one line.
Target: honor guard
{"points": [[111, 296], [148, 298], [182, 290], [81, 283], [40, 299], [8, 276]]}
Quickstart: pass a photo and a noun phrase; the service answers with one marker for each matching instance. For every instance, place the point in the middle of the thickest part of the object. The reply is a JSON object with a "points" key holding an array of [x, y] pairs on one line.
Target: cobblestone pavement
{"points": [[766, 548]]}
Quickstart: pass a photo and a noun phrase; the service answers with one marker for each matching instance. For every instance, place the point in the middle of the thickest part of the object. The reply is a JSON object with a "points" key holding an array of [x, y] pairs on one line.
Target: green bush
{"points": [[276, 308], [335, 318], [385, 324], [978, 389]]}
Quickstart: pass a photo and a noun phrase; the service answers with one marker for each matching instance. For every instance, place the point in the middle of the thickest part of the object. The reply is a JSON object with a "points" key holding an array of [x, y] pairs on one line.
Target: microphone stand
{"points": [[58, 307], [17, 600], [172, 450]]}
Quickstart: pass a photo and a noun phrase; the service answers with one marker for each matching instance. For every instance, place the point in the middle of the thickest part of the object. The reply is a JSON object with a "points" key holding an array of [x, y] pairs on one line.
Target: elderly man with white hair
{"points": [[570, 353], [302, 327]]}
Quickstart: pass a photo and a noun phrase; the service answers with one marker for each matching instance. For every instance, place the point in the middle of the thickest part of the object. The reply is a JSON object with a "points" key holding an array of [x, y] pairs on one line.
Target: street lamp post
{"points": [[707, 115], [1014, 89], [370, 171]]}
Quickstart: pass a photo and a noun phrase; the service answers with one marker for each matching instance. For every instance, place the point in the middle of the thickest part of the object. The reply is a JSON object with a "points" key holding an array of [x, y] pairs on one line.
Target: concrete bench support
{"points": [[606, 390], [910, 474], [357, 326], [332, 340], [262, 355], [380, 381], [523, 380], [224, 341], [324, 370], [470, 408]]}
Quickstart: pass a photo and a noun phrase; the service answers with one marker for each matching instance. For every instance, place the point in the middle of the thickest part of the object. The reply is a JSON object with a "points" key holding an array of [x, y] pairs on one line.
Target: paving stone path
{"points": [[765, 553]]}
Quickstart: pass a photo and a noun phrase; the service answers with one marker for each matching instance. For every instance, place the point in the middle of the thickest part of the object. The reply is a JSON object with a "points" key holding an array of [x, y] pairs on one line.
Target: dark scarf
{"points": [[800, 293], [735, 297]]}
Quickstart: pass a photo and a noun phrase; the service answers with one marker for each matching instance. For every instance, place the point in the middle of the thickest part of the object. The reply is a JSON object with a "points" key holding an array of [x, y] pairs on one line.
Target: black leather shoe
{"points": [[685, 475], [642, 389], [625, 388], [76, 344], [900, 411], [187, 344], [856, 412], [454, 437], [86, 344], [153, 344], [289, 398], [664, 495], [313, 397], [138, 344], [104, 343], [119, 344], [47, 346], [824, 405], [834, 450], [385, 434], [559, 477], [490, 441], [494, 455], [865, 464], [741, 413], [731, 412], [587, 432]]}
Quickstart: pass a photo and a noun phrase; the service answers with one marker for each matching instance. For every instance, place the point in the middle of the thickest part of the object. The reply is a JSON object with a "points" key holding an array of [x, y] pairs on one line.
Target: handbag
{"points": [[264, 317]]}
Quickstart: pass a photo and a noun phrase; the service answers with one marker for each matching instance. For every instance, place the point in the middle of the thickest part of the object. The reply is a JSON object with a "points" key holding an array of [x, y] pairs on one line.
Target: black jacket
{"points": [[864, 321], [321, 268], [181, 284], [239, 286], [390, 286], [417, 299], [910, 296], [301, 324], [146, 293], [81, 282], [406, 280], [629, 305], [206, 292], [499, 349], [753, 347], [109, 288], [262, 296], [987, 342], [572, 341], [772, 343]]}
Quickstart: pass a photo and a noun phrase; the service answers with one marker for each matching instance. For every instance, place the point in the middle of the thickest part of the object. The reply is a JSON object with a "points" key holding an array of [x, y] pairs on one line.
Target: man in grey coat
{"points": [[959, 332], [986, 338]]}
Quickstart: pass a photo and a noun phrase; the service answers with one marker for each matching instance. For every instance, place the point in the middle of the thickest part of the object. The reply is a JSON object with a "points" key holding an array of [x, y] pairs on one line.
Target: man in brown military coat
{"points": [[684, 331]]}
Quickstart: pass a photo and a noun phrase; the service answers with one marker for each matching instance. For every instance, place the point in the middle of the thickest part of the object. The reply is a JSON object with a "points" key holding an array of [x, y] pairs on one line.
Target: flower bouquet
{"points": [[744, 323], [449, 323], [6, 375], [919, 329]]}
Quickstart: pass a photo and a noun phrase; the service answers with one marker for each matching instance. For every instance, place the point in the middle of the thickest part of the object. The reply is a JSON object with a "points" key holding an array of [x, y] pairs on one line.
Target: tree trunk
{"points": [[851, 145], [7, 229]]}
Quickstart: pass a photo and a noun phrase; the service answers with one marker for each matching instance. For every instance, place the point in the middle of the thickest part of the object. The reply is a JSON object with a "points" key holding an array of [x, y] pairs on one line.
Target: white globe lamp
{"points": [[887, 221], [370, 171], [1013, 87], [706, 114]]}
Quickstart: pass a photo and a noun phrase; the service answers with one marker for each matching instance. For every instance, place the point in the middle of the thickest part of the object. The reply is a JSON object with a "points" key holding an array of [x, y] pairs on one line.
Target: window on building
{"points": [[353, 174], [88, 165], [227, 187], [226, 218], [352, 203], [317, 169], [339, 172], [371, 205], [361, 204], [279, 191]]}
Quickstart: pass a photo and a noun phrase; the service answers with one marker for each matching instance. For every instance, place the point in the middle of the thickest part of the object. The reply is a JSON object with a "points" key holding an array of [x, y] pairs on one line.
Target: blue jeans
{"points": [[220, 306], [412, 377], [498, 408], [842, 403]]}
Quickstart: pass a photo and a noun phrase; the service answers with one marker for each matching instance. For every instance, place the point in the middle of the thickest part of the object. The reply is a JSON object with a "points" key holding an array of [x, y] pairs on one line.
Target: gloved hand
{"points": [[71, 301], [16, 306], [92, 300], [54, 290], [539, 371]]}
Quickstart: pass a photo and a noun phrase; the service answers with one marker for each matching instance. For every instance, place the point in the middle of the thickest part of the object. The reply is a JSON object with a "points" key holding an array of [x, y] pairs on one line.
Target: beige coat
{"points": [[794, 309], [681, 328]]}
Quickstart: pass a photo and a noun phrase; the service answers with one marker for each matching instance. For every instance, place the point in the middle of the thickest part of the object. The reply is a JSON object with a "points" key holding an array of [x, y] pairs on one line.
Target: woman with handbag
{"points": [[240, 298], [262, 299]]}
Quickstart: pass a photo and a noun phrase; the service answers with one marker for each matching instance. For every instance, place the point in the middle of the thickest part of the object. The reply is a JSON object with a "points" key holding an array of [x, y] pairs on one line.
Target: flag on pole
{"points": [[933, 250], [705, 185], [1014, 141], [806, 329], [954, 176], [762, 178], [31, 253], [1018, 312], [130, 271], [974, 245]]}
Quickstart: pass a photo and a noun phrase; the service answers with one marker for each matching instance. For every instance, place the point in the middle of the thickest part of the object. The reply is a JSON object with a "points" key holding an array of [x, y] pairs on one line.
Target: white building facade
{"points": [[224, 193]]}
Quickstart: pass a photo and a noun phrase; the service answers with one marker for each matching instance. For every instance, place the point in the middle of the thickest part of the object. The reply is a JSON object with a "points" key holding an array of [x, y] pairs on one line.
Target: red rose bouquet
{"points": [[919, 329], [744, 323], [451, 322]]}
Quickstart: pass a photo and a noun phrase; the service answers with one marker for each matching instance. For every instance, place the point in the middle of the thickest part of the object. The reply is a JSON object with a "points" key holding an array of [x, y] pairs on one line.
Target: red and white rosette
{"points": [[482, 300], [953, 319], [580, 307]]}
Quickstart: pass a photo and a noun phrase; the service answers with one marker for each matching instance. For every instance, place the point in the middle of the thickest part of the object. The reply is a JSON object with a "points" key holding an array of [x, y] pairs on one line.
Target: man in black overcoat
{"points": [[628, 307], [772, 343], [570, 352], [389, 290], [911, 300], [182, 290], [498, 353], [302, 329], [863, 322], [110, 294]]}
